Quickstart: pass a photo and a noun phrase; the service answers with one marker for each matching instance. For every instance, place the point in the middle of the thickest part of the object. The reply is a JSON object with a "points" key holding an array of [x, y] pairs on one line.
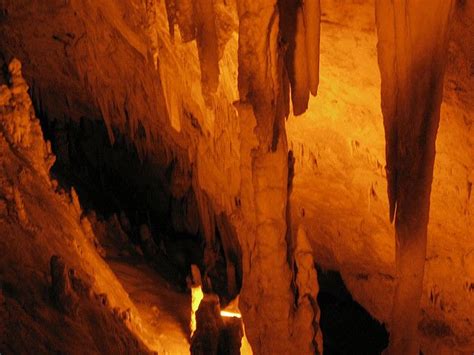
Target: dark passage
{"points": [[347, 327]]}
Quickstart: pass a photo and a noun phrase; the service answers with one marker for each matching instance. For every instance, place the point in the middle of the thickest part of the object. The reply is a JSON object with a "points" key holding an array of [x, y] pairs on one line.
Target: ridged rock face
{"points": [[155, 88]]}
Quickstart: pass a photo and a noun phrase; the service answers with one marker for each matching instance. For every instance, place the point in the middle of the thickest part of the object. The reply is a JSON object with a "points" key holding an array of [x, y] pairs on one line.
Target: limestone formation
{"points": [[38, 226], [412, 59], [209, 326], [18, 123], [312, 19], [309, 339], [177, 113], [231, 336], [185, 19], [206, 38], [62, 292], [300, 87]]}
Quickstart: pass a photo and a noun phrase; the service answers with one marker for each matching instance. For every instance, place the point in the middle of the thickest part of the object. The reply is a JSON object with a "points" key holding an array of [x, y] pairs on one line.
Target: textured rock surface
{"points": [[309, 339], [74, 294], [339, 189]]}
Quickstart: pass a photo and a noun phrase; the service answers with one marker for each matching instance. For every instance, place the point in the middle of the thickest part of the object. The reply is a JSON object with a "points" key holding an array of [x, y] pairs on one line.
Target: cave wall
{"points": [[79, 55], [57, 294], [339, 149]]}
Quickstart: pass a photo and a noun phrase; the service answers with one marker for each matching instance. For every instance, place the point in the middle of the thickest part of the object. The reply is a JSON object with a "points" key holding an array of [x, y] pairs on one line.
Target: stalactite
{"points": [[171, 12], [263, 88], [293, 37], [300, 33], [262, 104], [206, 38], [300, 84], [312, 22], [185, 19], [412, 56], [260, 66]]}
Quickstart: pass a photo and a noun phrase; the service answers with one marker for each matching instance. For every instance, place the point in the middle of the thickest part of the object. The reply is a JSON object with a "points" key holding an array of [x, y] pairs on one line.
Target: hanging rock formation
{"points": [[206, 38], [88, 63], [412, 58], [300, 35], [312, 19], [185, 19], [263, 104]]}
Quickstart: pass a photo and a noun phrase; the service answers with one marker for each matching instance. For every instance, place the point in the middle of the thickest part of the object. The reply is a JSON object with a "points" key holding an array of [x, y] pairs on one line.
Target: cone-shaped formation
{"points": [[412, 56], [300, 82], [312, 21], [185, 19], [309, 339], [206, 37], [197, 20], [300, 31]]}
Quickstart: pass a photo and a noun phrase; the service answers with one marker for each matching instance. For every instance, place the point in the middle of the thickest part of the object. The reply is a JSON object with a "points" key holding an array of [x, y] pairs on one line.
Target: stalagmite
{"points": [[208, 48], [412, 52], [312, 23], [195, 284], [209, 326], [308, 339], [264, 185], [263, 103], [206, 178]]}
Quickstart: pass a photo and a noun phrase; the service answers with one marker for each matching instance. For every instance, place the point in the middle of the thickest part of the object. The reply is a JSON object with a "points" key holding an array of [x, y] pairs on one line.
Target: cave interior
{"points": [[237, 177]]}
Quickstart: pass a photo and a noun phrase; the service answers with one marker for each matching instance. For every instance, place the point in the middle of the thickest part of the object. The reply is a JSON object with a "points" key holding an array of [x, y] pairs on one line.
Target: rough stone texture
{"points": [[264, 248], [231, 336], [209, 326], [308, 339], [50, 303], [339, 184], [61, 290]]}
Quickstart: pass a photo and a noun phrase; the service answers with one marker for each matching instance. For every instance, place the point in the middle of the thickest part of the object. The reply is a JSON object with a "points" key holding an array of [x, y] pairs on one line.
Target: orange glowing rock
{"points": [[196, 295]]}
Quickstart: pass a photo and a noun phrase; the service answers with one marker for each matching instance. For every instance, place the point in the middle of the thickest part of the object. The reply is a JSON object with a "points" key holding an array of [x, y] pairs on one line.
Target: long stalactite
{"points": [[412, 50]]}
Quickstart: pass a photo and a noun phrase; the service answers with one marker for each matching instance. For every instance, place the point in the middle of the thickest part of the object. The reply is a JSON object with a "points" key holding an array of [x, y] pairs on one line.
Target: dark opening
{"points": [[347, 327], [114, 181]]}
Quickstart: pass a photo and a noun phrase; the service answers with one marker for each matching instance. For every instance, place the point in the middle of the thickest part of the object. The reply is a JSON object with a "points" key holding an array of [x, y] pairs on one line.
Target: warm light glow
{"points": [[232, 310], [196, 298], [230, 314]]}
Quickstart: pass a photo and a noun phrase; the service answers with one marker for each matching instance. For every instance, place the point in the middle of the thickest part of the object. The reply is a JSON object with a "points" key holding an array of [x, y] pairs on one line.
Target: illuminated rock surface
{"points": [[142, 120]]}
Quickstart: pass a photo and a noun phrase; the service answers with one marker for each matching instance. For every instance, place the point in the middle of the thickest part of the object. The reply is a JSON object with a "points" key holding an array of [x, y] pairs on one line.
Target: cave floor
{"points": [[164, 311]]}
